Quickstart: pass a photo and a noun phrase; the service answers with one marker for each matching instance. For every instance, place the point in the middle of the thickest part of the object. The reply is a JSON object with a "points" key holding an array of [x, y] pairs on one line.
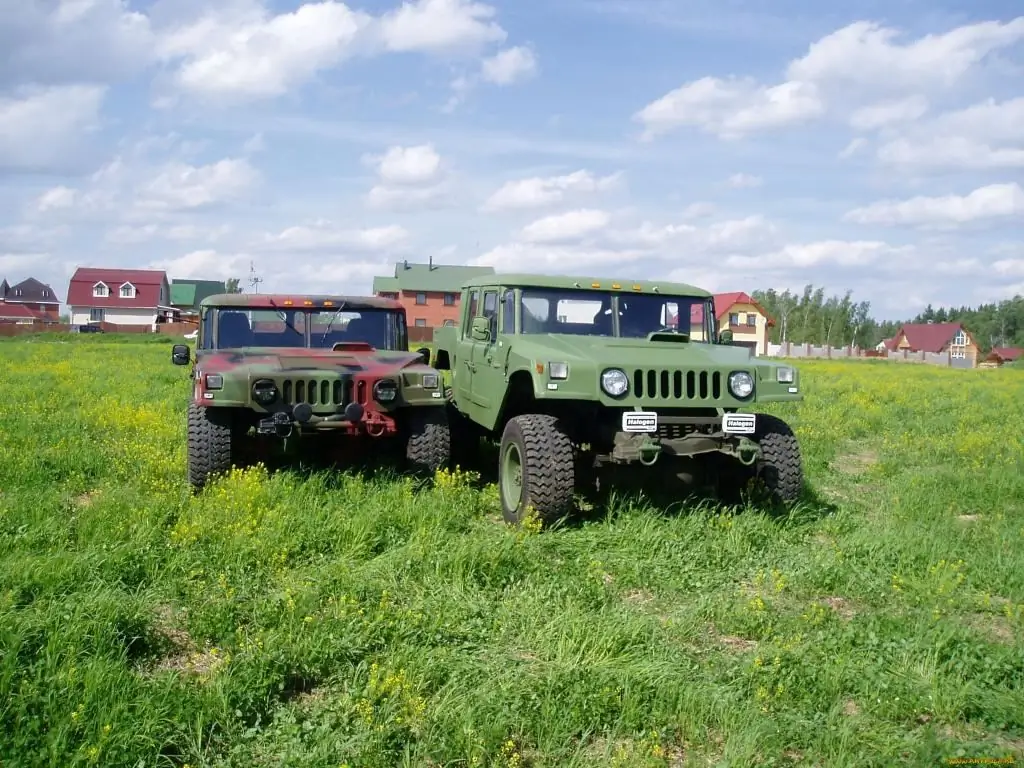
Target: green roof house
{"points": [[430, 292], [186, 294]]}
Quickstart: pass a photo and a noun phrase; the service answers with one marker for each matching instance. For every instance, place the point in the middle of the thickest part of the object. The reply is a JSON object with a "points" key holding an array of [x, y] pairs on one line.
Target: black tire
{"points": [[209, 443], [779, 466], [546, 462], [428, 445]]}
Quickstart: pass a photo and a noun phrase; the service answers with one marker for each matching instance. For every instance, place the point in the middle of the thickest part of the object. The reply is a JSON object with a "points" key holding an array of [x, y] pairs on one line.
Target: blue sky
{"points": [[873, 147]]}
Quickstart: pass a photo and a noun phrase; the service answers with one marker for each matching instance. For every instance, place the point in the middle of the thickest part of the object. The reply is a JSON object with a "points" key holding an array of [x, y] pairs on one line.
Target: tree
{"points": [[233, 285]]}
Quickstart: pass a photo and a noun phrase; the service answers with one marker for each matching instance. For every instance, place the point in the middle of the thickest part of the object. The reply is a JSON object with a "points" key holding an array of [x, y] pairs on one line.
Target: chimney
{"points": [[405, 263], [430, 264]]}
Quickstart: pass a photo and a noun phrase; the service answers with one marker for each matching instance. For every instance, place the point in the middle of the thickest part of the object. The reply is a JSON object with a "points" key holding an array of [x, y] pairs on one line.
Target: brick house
{"points": [[429, 292], [119, 296], [39, 298], [748, 320], [937, 338]]}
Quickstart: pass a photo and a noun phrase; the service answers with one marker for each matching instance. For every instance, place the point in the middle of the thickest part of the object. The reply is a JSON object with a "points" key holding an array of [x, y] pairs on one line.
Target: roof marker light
{"points": [[328, 303], [616, 286], [638, 288], [287, 302], [595, 285], [308, 303]]}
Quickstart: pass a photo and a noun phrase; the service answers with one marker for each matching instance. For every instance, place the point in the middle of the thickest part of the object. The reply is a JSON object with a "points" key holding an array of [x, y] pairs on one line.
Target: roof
{"points": [[1008, 353], [726, 301], [571, 282], [428, 277], [32, 291], [147, 284], [277, 301], [188, 293], [930, 337], [15, 311]]}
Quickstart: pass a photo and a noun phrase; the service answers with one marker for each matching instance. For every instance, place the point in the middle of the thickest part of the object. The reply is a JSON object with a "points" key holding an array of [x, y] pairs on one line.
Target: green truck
{"points": [[570, 374]]}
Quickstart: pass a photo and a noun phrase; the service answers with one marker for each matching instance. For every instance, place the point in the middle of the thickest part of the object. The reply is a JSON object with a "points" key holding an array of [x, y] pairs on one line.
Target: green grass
{"points": [[344, 619]]}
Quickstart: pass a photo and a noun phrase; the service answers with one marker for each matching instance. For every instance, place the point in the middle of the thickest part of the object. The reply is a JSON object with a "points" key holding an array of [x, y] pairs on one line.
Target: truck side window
{"points": [[491, 311], [471, 308], [508, 313]]}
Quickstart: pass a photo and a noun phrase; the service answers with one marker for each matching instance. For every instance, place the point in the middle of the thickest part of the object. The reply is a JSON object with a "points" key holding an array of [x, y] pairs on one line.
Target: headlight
{"points": [[385, 390], [558, 370], [784, 375], [264, 391], [214, 381], [614, 382], [741, 384], [429, 381]]}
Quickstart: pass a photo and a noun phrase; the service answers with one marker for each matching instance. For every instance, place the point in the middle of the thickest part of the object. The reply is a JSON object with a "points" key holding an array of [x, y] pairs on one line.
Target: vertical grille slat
{"points": [[666, 384], [317, 392]]}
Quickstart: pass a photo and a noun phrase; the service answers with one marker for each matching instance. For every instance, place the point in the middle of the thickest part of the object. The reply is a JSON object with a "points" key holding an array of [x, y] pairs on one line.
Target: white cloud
{"points": [[253, 54], [730, 108], [41, 127], [205, 265], [179, 186], [995, 201], [833, 253], [887, 113], [324, 235], [1010, 267], [408, 177], [536, 192], [846, 70], [439, 26], [568, 226], [509, 66], [57, 198], [744, 181]]}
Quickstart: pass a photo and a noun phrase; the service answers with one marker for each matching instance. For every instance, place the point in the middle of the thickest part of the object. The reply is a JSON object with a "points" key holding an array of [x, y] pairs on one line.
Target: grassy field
{"points": [[351, 620]]}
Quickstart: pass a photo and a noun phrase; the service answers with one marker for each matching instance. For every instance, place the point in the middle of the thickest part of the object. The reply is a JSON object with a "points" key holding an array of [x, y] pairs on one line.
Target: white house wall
{"points": [[115, 315]]}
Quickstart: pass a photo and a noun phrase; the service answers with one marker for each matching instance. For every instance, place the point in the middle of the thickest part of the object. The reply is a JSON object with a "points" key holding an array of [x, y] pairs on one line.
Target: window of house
{"points": [[508, 313], [734, 318], [449, 323], [421, 322], [421, 298], [100, 290], [958, 354], [751, 319], [960, 340], [449, 299], [127, 291], [96, 315]]}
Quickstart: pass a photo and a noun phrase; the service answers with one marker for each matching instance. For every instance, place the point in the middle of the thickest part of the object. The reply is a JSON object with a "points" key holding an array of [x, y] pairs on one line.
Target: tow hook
{"points": [[747, 451], [280, 425], [649, 452]]}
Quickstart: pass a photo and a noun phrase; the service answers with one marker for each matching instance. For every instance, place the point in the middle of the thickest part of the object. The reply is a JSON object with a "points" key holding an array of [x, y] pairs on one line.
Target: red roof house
{"points": [[31, 293], [18, 313], [937, 338], [1008, 354], [119, 296]]}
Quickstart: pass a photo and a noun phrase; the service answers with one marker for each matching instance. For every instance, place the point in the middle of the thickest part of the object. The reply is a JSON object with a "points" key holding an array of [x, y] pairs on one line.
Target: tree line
{"points": [[811, 317]]}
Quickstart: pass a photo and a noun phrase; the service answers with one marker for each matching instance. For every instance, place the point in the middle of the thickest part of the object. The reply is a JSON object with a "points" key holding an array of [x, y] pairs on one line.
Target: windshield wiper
{"points": [[334, 316]]}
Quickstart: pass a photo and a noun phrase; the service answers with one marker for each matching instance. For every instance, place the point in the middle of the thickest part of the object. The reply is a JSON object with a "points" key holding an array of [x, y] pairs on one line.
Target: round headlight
{"points": [[741, 384], [614, 382], [264, 392], [384, 391]]}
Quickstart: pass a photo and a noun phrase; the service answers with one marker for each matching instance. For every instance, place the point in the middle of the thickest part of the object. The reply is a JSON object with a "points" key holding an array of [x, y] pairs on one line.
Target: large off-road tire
{"points": [[779, 466], [428, 440], [536, 469], [209, 443]]}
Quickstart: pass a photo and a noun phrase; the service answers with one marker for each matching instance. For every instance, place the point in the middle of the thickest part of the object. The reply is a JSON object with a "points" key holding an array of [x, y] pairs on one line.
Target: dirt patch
{"points": [[840, 605], [183, 653], [638, 597], [856, 462], [997, 628], [968, 518], [851, 708], [86, 499], [733, 643]]}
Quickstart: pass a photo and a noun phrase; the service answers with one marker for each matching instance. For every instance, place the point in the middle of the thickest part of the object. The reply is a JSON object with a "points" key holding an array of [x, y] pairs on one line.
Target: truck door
{"points": [[462, 365], [488, 386]]}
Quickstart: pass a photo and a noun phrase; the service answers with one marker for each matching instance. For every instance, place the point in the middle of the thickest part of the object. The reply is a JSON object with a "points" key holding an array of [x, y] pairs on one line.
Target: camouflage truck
{"points": [[573, 374], [328, 368]]}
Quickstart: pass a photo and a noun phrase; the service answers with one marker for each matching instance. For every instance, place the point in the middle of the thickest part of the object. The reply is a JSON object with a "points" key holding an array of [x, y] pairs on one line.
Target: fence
{"points": [[789, 349]]}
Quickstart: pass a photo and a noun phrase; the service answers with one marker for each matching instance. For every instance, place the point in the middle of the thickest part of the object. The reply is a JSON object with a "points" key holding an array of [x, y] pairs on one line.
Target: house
{"points": [[18, 314], [938, 338], [1006, 354], [34, 295], [429, 292], [748, 320], [119, 296], [186, 295]]}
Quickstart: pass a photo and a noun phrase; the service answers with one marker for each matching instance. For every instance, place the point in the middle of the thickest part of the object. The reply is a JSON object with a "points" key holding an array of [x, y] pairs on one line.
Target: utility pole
{"points": [[254, 279]]}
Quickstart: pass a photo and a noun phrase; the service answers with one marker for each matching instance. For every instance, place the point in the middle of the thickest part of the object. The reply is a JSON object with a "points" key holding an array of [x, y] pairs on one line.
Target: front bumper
{"points": [[354, 419], [683, 436]]}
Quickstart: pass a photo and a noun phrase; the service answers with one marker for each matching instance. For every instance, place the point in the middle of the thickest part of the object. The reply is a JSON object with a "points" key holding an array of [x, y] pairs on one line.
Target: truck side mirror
{"points": [[481, 329], [180, 354], [725, 337], [424, 353]]}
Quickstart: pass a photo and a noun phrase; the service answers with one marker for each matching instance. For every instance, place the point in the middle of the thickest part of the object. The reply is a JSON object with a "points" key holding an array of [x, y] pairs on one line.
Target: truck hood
{"points": [[282, 360], [634, 352]]}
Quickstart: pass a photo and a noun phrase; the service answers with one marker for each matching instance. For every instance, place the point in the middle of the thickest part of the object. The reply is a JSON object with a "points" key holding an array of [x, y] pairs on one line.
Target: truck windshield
{"points": [[589, 313], [316, 329]]}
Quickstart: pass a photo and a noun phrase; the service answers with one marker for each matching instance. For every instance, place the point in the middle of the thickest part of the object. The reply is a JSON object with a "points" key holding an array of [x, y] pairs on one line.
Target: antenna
{"points": [[254, 279]]}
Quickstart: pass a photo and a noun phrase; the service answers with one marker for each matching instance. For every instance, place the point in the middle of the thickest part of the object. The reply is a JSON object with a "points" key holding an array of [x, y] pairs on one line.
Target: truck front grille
{"points": [[654, 384], [316, 391]]}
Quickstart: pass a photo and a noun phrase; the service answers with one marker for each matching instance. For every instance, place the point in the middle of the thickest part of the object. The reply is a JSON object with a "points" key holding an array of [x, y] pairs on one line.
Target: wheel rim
{"points": [[511, 476]]}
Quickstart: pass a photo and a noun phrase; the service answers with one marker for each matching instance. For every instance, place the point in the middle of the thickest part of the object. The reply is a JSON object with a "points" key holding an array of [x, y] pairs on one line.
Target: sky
{"points": [[873, 147]]}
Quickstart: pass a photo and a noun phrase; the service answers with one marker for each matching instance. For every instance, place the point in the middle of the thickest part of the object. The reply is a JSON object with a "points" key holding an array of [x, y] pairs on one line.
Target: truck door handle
{"points": [[470, 365]]}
